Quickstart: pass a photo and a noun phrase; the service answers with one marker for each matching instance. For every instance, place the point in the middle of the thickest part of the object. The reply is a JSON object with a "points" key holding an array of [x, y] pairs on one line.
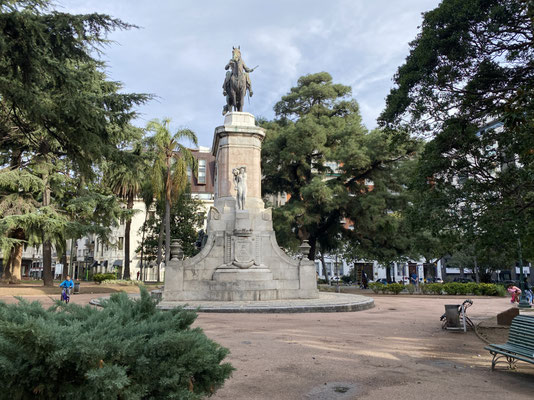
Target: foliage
{"points": [[187, 216], [376, 286], [121, 282], [424, 288], [346, 279], [99, 278], [395, 288], [127, 350], [457, 288], [410, 288], [319, 153], [468, 85], [60, 116], [171, 159]]}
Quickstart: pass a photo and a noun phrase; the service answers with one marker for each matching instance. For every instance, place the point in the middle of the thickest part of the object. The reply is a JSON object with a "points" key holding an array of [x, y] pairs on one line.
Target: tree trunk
{"points": [[475, 270], [16, 264], [325, 272], [6, 275], [462, 273], [72, 254], [48, 279], [160, 247], [143, 246], [167, 233], [64, 272], [127, 228]]}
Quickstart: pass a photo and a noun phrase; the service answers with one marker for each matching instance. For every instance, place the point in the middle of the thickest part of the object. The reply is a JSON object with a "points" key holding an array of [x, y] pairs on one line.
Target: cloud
{"points": [[180, 52]]}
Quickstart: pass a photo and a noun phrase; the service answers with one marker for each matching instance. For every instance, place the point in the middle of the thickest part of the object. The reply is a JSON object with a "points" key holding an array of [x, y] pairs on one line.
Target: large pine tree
{"points": [[333, 169], [56, 107]]}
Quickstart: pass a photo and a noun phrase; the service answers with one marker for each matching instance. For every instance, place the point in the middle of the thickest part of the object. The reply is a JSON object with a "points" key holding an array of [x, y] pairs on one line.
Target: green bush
{"points": [[395, 288], [377, 286], [122, 282], [500, 291], [488, 289], [410, 288], [127, 350], [346, 279], [451, 288], [473, 288], [99, 278], [435, 288], [424, 288]]}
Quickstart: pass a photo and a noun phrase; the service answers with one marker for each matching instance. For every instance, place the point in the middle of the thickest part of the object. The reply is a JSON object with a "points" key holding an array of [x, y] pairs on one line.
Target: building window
{"points": [[188, 172], [202, 172], [121, 243]]}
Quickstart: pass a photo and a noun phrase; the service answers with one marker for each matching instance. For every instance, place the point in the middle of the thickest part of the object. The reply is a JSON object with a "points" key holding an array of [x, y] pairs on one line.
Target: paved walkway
{"points": [[395, 350]]}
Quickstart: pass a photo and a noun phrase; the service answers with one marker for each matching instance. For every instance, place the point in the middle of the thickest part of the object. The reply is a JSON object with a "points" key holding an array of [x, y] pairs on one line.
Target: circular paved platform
{"points": [[327, 302]]}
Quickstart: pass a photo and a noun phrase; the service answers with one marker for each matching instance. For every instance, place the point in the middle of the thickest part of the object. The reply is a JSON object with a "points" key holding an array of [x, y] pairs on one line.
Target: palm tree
{"points": [[125, 180], [171, 161]]}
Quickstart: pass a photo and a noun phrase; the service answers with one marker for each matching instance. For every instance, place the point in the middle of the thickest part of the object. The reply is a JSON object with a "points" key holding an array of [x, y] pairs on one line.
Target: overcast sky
{"points": [[182, 46]]}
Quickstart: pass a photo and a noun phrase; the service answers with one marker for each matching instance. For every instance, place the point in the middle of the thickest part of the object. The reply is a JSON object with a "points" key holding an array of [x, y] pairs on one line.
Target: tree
{"points": [[56, 106], [187, 217], [332, 169], [125, 180], [468, 84], [171, 160]]}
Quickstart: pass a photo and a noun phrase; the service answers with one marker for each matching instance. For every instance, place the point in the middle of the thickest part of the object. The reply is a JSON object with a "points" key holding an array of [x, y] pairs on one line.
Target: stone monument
{"points": [[240, 259]]}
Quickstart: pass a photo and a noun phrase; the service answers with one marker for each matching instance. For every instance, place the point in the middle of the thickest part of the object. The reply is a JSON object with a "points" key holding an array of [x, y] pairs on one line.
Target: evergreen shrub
{"points": [[126, 350]]}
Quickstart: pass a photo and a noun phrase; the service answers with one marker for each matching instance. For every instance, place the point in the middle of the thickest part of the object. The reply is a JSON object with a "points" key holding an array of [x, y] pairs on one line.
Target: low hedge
{"points": [[99, 278], [450, 288]]}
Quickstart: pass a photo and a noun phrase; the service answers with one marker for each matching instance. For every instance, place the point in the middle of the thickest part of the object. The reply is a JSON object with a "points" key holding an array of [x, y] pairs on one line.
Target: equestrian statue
{"points": [[236, 82]]}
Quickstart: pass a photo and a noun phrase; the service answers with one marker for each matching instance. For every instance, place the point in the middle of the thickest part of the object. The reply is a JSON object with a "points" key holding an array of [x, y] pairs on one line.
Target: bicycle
{"points": [[65, 295]]}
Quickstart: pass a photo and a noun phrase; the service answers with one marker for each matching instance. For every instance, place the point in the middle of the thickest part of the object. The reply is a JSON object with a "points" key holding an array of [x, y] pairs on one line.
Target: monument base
{"points": [[240, 259]]}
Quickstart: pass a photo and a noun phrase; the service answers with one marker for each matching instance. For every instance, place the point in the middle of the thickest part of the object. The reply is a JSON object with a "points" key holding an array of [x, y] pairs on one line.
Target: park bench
{"points": [[520, 344]]}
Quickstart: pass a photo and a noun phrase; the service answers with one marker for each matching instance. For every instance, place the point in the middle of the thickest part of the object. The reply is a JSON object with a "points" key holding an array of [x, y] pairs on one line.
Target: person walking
{"points": [[528, 290]]}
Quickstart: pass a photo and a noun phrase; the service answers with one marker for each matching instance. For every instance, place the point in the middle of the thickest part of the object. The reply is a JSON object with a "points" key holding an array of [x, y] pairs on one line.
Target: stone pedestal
{"points": [[241, 259]]}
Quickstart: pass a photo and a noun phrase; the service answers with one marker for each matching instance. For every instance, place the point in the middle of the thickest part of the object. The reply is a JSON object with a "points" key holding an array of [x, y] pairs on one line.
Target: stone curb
{"points": [[362, 303]]}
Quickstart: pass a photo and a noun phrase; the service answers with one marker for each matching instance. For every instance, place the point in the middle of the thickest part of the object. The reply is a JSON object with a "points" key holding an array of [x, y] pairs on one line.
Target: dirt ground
{"points": [[396, 350], [36, 288]]}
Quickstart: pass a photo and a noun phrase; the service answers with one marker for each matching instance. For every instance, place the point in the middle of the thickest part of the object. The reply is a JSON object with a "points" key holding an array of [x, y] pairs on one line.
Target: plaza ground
{"points": [[396, 350]]}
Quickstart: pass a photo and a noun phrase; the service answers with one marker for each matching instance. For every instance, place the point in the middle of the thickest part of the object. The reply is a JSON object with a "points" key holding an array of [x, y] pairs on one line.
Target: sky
{"points": [[179, 51]]}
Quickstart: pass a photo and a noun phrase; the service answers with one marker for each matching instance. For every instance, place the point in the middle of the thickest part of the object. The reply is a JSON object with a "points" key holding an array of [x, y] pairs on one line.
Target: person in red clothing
{"points": [[515, 292]]}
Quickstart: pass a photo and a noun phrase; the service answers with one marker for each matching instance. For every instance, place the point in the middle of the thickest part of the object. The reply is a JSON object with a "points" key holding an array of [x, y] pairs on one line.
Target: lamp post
{"points": [[523, 301]]}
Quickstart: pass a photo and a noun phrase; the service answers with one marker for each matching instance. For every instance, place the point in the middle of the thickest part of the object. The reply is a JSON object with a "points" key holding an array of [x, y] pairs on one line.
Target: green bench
{"points": [[520, 344]]}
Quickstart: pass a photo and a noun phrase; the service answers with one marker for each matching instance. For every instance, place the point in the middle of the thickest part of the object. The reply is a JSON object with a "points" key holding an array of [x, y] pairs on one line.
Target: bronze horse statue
{"points": [[236, 83]]}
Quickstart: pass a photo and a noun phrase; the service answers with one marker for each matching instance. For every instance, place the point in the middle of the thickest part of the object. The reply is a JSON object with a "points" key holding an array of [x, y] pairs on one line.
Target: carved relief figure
{"points": [[240, 181]]}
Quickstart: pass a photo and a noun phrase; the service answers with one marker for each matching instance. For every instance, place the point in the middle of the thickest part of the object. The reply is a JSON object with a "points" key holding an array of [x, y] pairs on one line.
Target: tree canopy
{"points": [[60, 117], [333, 170], [467, 86]]}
